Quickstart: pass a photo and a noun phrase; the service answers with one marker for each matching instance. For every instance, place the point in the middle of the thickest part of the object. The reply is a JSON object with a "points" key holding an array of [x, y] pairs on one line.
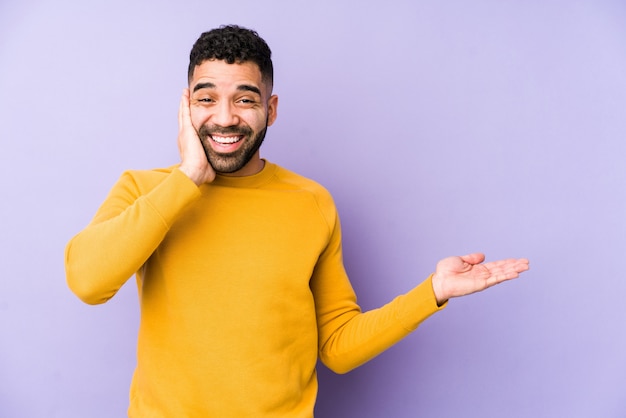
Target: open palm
{"points": [[458, 276]]}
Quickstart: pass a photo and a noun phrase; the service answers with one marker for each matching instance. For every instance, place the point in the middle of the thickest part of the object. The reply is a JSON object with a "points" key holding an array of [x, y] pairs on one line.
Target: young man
{"points": [[238, 261]]}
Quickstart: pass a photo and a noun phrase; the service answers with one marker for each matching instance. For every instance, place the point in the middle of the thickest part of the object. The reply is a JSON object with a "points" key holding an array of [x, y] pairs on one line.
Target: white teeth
{"points": [[225, 139]]}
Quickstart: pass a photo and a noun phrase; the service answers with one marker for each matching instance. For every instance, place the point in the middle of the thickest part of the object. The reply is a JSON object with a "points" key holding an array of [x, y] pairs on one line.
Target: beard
{"points": [[231, 162]]}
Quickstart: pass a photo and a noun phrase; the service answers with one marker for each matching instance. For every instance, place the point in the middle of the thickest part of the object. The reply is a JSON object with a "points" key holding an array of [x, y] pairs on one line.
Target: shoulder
{"points": [[288, 180], [291, 180], [156, 173], [146, 177]]}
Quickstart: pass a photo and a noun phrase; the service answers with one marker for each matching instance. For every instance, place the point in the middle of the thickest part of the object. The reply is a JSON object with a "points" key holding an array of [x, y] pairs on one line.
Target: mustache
{"points": [[208, 130]]}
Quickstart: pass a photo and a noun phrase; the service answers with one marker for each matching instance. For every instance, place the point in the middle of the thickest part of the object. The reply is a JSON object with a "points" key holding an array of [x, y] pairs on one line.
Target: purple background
{"points": [[441, 128]]}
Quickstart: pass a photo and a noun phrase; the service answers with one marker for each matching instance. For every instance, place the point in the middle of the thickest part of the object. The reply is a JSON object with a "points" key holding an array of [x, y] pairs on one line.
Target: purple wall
{"points": [[440, 127]]}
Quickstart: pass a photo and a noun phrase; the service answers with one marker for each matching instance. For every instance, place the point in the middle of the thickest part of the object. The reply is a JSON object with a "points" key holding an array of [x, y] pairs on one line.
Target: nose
{"points": [[225, 114]]}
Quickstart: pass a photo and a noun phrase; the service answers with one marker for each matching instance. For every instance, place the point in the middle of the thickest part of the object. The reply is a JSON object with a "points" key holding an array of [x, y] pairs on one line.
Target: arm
{"points": [[134, 219], [127, 228], [349, 337]]}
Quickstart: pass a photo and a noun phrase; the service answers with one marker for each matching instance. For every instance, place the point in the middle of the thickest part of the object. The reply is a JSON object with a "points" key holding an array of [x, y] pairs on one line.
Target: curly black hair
{"points": [[233, 44]]}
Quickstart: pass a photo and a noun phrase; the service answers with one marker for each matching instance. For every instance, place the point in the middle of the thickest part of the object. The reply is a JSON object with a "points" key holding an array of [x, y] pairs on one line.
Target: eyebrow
{"points": [[201, 86], [241, 87], [248, 87]]}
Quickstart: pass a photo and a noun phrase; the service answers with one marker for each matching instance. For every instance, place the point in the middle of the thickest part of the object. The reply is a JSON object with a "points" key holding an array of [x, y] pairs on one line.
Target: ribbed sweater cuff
{"points": [[419, 304], [176, 192]]}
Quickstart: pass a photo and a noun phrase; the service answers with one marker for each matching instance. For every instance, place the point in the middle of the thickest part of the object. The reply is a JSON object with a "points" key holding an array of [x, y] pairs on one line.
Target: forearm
{"points": [[362, 336], [102, 257]]}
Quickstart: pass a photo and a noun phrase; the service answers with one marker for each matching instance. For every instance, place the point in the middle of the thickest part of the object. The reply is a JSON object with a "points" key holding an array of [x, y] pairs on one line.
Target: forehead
{"points": [[225, 75]]}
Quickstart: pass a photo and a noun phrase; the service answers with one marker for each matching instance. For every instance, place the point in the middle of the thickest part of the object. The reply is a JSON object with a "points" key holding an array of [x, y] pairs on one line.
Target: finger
{"points": [[508, 263], [186, 111], [522, 265], [184, 114], [180, 112], [501, 277], [505, 270]]}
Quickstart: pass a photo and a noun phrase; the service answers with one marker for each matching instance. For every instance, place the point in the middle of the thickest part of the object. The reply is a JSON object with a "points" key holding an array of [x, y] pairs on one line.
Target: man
{"points": [[238, 261]]}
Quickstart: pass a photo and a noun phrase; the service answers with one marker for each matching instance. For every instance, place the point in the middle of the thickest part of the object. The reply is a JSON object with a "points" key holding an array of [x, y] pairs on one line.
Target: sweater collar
{"points": [[251, 182]]}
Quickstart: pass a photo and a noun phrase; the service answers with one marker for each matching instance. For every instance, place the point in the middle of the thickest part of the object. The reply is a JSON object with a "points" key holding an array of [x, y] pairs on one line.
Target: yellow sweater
{"points": [[241, 286]]}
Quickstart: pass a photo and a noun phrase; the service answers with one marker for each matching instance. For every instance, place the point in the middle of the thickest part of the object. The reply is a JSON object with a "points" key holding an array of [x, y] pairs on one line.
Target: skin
{"points": [[234, 95], [223, 96], [460, 276]]}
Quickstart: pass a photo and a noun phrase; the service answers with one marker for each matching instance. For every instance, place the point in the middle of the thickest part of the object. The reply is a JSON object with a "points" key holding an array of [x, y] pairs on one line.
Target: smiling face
{"points": [[231, 108]]}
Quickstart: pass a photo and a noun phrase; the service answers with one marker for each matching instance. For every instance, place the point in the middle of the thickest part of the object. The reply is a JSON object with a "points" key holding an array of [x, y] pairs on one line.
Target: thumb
{"points": [[474, 258]]}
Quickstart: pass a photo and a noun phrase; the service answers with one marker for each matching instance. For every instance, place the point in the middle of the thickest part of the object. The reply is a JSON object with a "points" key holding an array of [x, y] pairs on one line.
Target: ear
{"points": [[272, 109]]}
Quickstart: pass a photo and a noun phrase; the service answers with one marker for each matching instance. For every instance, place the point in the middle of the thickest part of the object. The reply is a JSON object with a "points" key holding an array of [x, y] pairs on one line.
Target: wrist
{"points": [[193, 175], [440, 295]]}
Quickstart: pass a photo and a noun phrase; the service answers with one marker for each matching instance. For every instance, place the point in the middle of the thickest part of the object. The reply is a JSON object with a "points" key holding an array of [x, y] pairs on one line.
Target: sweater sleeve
{"points": [[127, 228], [349, 337]]}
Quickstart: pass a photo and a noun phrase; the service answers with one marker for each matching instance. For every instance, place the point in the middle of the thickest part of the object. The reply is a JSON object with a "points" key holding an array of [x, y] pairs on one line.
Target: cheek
{"points": [[257, 121]]}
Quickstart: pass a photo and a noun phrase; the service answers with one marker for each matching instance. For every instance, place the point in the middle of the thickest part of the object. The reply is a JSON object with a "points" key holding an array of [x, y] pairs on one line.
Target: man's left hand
{"points": [[459, 276]]}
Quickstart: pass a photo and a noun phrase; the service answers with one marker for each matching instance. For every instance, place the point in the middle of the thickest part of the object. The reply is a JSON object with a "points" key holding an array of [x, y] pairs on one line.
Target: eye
{"points": [[246, 102], [204, 101]]}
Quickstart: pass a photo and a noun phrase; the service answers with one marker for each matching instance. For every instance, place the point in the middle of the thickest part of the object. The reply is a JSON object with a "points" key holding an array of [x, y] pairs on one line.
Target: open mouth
{"points": [[226, 140]]}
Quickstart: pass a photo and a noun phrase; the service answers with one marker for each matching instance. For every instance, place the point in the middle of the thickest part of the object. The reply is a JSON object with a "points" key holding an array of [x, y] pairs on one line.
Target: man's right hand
{"points": [[194, 162]]}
